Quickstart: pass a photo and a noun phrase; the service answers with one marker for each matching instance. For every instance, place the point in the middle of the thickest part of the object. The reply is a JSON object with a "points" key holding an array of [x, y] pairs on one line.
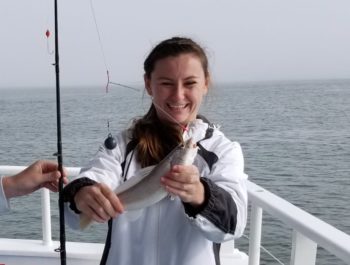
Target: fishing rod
{"points": [[62, 248]]}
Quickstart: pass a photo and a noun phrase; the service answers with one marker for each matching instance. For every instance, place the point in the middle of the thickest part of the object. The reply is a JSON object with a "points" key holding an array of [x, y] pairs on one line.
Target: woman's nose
{"points": [[179, 91]]}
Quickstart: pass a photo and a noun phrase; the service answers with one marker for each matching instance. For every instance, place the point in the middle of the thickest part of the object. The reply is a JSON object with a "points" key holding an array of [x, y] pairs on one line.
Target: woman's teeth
{"points": [[180, 106]]}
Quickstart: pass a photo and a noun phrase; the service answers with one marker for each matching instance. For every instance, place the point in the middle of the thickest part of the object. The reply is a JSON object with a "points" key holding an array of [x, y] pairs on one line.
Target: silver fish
{"points": [[145, 189]]}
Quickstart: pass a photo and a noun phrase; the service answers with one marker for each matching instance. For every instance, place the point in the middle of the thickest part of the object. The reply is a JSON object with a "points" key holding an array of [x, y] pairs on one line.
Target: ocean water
{"points": [[295, 137]]}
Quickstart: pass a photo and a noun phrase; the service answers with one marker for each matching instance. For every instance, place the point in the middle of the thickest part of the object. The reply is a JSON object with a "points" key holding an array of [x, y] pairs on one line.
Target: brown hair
{"points": [[156, 138], [174, 47]]}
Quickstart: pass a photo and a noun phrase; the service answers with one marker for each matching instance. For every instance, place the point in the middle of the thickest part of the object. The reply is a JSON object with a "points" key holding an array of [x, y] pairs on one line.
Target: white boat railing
{"points": [[45, 199], [309, 232]]}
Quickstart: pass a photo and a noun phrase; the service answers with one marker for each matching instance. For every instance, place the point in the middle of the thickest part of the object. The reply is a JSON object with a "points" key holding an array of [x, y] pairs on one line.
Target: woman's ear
{"points": [[207, 83], [147, 84]]}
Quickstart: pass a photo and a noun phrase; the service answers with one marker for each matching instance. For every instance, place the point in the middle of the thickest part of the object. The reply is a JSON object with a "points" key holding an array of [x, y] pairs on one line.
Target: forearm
{"points": [[10, 187], [224, 213], [69, 192], [219, 216], [72, 189], [4, 205]]}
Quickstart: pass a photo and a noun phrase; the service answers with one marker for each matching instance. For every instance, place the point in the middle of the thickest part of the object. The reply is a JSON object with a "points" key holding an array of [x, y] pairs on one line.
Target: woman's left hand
{"points": [[184, 181]]}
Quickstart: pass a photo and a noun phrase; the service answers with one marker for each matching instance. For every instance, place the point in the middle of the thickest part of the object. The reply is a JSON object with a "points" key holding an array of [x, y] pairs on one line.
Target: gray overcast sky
{"points": [[246, 40]]}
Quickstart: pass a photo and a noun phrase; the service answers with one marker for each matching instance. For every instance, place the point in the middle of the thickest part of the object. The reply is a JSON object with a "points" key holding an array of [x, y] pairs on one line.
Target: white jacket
{"points": [[169, 232]]}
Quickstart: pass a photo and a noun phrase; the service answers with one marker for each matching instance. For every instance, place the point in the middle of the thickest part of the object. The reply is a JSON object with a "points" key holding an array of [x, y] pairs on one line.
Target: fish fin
{"points": [[84, 221], [140, 175]]}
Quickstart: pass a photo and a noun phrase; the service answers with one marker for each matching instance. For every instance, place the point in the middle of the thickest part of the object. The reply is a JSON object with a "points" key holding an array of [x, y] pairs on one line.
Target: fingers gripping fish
{"points": [[145, 189]]}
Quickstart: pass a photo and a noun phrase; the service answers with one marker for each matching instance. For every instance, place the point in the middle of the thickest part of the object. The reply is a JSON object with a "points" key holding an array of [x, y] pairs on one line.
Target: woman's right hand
{"points": [[98, 202]]}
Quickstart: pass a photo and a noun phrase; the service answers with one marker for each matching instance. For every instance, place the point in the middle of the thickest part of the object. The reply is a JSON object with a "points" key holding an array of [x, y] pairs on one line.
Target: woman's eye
{"points": [[190, 84]]}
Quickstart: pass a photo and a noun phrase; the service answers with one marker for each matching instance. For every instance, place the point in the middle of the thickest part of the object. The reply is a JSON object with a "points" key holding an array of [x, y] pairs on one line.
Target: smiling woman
{"points": [[207, 202], [177, 86], [176, 77]]}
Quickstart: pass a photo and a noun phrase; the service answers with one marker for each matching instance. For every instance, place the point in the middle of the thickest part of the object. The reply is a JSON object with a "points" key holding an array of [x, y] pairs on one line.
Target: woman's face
{"points": [[177, 85]]}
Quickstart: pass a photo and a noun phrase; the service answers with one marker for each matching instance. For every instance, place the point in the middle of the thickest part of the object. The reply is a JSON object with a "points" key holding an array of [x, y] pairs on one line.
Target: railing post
{"points": [[46, 216], [303, 250], [255, 235]]}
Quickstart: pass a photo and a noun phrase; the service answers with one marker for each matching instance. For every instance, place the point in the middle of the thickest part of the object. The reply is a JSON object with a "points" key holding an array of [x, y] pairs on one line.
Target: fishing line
{"points": [[100, 42], [267, 251], [184, 128], [110, 142], [121, 85], [48, 33]]}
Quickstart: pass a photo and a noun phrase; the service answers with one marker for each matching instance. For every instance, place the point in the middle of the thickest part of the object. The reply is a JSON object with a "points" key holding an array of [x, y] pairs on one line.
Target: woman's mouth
{"points": [[177, 106]]}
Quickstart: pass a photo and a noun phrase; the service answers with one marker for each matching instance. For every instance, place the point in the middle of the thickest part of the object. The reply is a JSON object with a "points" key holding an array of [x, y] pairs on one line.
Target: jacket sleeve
{"points": [[104, 167], [4, 204], [223, 215]]}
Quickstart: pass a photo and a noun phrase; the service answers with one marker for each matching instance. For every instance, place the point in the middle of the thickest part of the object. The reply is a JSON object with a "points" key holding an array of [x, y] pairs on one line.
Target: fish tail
{"points": [[84, 221]]}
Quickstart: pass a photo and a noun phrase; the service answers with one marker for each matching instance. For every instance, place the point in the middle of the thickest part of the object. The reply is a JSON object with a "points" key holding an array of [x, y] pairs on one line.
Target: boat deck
{"points": [[34, 252]]}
